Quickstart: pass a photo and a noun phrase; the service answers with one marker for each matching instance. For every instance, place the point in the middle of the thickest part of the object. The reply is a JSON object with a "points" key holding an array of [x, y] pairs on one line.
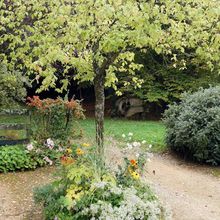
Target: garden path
{"points": [[16, 202], [191, 191]]}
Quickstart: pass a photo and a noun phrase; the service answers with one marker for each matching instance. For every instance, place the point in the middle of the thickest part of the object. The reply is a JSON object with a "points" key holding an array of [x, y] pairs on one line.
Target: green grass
{"points": [[14, 119], [13, 134], [151, 131]]}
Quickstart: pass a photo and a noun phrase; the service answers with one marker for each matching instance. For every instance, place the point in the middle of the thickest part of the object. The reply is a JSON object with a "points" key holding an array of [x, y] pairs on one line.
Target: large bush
{"points": [[52, 118], [193, 126]]}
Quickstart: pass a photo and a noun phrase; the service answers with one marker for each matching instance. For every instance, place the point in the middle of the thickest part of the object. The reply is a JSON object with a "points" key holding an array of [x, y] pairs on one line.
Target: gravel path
{"points": [[16, 202], [189, 190]]}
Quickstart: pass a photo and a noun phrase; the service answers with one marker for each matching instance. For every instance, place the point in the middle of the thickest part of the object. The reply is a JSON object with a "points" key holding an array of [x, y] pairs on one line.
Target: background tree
{"points": [[98, 38], [161, 82], [12, 88]]}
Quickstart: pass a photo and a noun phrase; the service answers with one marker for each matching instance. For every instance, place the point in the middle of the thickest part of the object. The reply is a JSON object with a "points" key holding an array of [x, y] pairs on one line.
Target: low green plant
{"points": [[193, 126], [14, 158]]}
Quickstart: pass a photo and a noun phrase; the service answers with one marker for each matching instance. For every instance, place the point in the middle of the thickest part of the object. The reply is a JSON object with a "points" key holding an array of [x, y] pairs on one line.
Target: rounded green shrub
{"points": [[193, 126]]}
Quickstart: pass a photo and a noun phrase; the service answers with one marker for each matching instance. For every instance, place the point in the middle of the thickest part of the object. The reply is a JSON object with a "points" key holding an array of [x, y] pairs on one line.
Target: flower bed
{"points": [[87, 190]]}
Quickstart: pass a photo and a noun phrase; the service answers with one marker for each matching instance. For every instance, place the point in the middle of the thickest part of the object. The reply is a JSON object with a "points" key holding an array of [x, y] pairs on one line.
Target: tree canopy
{"points": [[37, 34], [99, 38]]}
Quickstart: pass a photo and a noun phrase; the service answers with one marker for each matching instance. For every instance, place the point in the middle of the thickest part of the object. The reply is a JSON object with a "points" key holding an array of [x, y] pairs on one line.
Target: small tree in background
{"points": [[99, 38], [12, 88]]}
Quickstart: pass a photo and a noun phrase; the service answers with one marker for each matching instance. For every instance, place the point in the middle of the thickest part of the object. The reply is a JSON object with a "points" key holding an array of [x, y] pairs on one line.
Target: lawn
{"points": [[151, 131], [13, 134]]}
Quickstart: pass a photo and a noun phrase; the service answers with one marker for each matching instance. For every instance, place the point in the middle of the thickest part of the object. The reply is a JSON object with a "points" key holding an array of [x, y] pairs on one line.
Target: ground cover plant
{"points": [[14, 158], [30, 156], [193, 126]]}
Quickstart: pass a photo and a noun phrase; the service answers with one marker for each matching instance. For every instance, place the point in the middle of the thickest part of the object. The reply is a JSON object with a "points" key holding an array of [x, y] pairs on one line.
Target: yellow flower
{"points": [[74, 193], [135, 175], [130, 170], [86, 145], [69, 151], [79, 151]]}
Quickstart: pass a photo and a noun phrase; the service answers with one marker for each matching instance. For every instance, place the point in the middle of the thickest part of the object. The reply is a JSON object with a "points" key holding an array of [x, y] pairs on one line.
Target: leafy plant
{"points": [[12, 87], [193, 126], [14, 158], [52, 118]]}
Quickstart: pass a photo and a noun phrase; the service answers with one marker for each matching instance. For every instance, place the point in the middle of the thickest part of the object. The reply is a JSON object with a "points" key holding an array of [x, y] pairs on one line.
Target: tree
{"points": [[12, 88], [99, 37], [162, 83]]}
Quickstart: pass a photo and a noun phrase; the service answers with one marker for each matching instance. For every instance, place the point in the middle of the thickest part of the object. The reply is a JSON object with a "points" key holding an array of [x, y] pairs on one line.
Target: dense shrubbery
{"points": [[86, 190], [193, 126], [52, 118]]}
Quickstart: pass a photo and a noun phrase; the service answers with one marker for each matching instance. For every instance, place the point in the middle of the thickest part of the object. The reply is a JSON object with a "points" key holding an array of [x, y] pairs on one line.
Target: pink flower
{"points": [[30, 147]]}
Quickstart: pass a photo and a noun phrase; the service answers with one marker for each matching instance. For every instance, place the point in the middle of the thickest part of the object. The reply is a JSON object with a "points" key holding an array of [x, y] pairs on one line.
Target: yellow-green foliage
{"points": [[102, 35], [12, 90]]}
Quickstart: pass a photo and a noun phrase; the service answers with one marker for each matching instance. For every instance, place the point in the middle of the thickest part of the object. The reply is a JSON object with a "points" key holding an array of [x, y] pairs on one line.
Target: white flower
{"points": [[129, 146], [30, 147], [148, 160], [143, 142], [123, 135], [48, 160], [100, 185], [60, 149], [50, 143], [129, 138], [137, 155], [136, 144], [150, 146], [130, 134]]}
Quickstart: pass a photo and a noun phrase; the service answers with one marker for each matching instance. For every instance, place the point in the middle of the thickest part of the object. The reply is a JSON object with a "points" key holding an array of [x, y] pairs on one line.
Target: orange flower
{"points": [[133, 163], [64, 160], [79, 151]]}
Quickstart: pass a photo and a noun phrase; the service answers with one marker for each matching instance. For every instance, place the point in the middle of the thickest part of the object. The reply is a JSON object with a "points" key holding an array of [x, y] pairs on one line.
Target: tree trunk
{"points": [[99, 84]]}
